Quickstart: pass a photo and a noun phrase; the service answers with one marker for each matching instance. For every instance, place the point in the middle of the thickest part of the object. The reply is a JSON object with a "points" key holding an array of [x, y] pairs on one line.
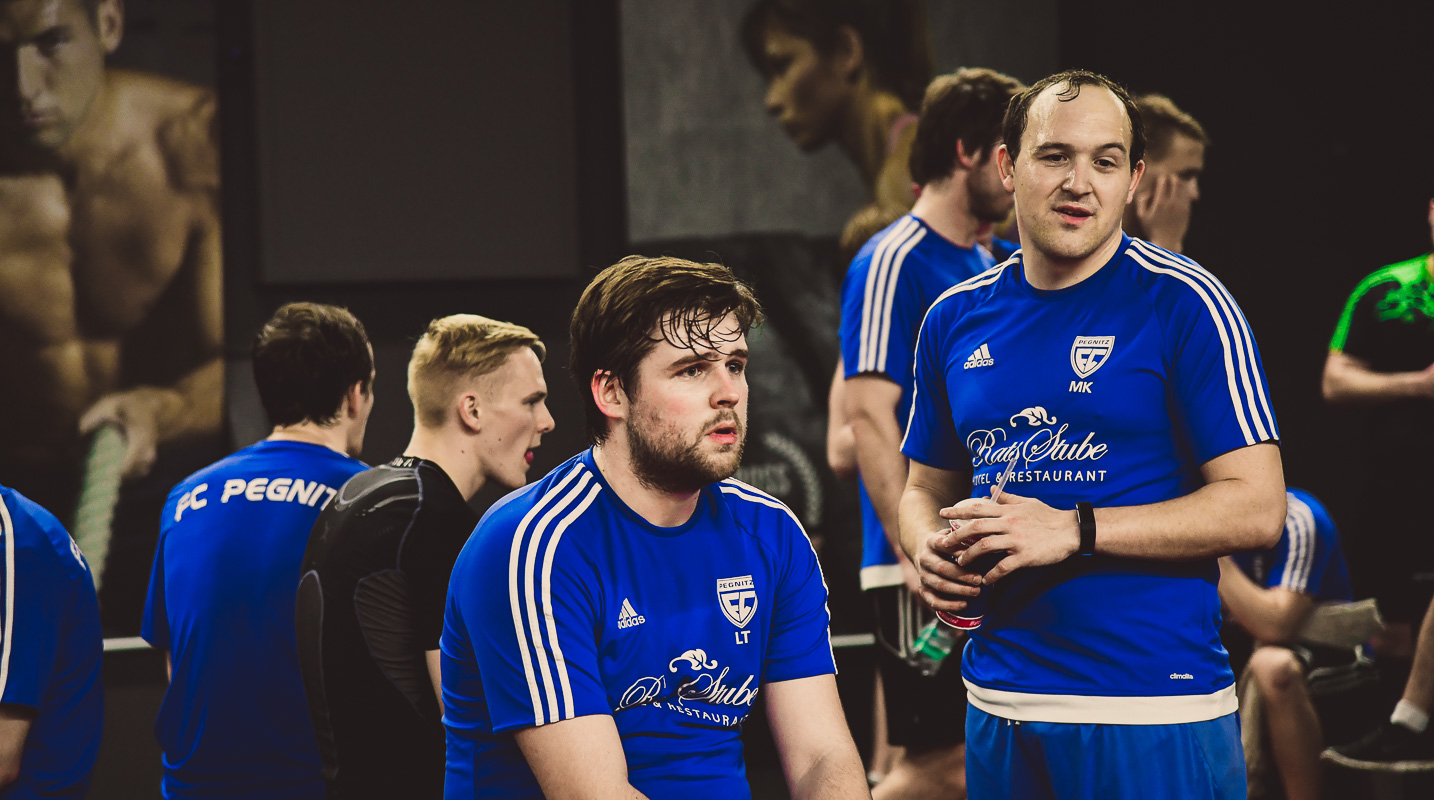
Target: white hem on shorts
{"points": [[879, 575], [1101, 709]]}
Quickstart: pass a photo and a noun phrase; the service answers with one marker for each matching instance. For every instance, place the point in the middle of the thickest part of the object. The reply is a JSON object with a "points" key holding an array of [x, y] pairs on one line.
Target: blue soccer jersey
{"points": [[1114, 391], [566, 603], [1307, 558], [50, 648], [235, 721], [891, 282]]}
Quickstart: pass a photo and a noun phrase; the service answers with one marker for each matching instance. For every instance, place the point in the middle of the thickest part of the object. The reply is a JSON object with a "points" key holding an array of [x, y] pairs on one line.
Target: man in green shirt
{"points": [[1382, 354]]}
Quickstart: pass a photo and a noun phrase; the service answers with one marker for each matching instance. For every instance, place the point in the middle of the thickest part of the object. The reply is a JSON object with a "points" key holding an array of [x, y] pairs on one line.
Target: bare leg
{"points": [[1419, 691], [883, 753], [938, 774], [1295, 736]]}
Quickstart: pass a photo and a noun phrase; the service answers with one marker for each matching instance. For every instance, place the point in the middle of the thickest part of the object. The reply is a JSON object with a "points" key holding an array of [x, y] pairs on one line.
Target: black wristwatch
{"points": [[1085, 516]]}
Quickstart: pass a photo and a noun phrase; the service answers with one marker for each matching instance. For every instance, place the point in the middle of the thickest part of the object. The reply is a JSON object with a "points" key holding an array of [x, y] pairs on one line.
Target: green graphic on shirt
{"points": [[1409, 296], [1406, 301]]}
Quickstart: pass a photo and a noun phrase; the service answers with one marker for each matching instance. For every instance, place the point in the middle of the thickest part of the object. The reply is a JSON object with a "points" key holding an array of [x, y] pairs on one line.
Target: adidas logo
{"points": [[629, 618], [980, 358]]}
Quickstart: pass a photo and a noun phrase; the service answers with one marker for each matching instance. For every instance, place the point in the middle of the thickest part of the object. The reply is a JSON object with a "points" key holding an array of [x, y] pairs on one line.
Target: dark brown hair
{"points": [[305, 359], [896, 44], [1162, 120], [640, 301], [1018, 112], [967, 106]]}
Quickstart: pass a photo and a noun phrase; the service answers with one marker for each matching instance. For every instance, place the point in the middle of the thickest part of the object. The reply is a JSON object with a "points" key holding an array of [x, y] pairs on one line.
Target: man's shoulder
{"points": [[757, 512], [1176, 284], [1303, 511], [975, 291], [1392, 276], [34, 530], [179, 119], [560, 497]]}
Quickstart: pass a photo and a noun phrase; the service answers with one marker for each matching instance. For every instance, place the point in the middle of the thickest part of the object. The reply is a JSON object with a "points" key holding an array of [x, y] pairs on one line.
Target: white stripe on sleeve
{"points": [[8, 631], [875, 282], [1300, 527], [1250, 378], [893, 275], [514, 602]]}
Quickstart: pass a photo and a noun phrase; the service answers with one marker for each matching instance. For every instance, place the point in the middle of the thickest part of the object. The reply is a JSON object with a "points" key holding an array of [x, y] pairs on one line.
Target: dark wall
{"points": [[1318, 175], [396, 307]]}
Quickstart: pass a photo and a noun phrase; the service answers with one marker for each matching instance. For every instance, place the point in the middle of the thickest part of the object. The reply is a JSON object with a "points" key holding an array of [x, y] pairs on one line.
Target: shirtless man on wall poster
{"points": [[110, 278]]}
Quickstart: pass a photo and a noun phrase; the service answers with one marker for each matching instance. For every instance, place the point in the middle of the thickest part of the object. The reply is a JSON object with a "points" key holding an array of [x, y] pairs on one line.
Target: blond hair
{"points": [[455, 350]]}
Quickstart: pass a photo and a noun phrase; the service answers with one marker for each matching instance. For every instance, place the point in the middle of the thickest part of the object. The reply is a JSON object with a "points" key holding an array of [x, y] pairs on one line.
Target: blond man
{"points": [[375, 574]]}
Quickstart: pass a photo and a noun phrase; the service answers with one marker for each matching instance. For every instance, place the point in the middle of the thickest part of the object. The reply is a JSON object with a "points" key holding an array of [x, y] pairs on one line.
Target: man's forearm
{"points": [[883, 470], [1346, 381], [1272, 616], [836, 775], [197, 404], [1219, 518], [920, 515]]}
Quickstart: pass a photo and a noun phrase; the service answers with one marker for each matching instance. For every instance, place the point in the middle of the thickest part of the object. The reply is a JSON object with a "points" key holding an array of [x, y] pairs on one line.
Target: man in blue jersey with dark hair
{"points": [[1124, 384], [609, 626], [51, 693], [891, 283], [235, 721]]}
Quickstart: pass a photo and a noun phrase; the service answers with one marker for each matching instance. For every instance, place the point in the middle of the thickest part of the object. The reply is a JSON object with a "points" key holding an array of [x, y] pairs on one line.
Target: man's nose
{"points": [[30, 69]]}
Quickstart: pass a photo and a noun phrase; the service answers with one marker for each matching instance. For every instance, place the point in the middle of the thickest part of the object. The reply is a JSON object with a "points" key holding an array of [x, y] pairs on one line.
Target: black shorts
{"points": [[1345, 689], [922, 713]]}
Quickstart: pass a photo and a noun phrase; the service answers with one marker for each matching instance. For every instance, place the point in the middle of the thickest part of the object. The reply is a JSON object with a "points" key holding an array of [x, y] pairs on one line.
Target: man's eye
{"points": [[50, 42], [736, 367]]}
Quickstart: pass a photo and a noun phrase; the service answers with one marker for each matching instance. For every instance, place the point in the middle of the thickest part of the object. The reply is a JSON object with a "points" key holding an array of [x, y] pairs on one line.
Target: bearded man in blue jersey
{"points": [[1123, 382], [609, 626], [234, 721]]}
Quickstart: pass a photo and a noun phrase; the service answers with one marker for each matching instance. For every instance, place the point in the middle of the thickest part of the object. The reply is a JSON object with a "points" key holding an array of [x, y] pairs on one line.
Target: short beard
{"points": [[670, 466]]}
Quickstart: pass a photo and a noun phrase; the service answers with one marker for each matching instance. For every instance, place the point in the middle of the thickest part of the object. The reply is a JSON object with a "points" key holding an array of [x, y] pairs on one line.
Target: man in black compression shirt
{"points": [[375, 574]]}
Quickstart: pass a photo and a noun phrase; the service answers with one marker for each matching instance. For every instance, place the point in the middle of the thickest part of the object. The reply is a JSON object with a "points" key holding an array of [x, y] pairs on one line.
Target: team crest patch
{"points": [[1088, 353], [738, 599]]}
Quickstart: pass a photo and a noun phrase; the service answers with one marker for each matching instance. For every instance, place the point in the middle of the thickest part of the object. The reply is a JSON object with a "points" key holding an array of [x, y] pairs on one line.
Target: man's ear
{"points": [[849, 55], [1007, 166], [470, 412], [353, 399], [1135, 176], [968, 160], [109, 24], [608, 394]]}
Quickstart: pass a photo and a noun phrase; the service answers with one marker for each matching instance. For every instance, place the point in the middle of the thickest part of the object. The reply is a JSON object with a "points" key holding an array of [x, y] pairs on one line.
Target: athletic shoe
{"points": [[1390, 748]]}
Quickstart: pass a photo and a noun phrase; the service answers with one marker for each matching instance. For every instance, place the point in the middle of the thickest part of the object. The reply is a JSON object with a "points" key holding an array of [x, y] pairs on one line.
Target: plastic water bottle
{"points": [[933, 644]]}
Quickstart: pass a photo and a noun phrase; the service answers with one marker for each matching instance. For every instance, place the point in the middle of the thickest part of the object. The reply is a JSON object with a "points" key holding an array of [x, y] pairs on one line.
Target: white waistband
{"points": [[1103, 710], [878, 575]]}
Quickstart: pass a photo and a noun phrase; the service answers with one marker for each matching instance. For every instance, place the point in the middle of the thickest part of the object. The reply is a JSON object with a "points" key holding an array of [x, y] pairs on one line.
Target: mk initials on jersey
{"points": [[1081, 387]]}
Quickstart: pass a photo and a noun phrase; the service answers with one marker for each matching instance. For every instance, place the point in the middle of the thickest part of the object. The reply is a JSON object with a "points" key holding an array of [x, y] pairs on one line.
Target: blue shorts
{"points": [[1065, 761]]}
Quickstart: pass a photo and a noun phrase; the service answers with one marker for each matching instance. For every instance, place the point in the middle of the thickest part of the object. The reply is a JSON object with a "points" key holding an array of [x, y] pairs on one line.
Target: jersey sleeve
{"points": [[1218, 377], [1306, 548], [1356, 332], [533, 620], [34, 589], [931, 435], [879, 317], [800, 641]]}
